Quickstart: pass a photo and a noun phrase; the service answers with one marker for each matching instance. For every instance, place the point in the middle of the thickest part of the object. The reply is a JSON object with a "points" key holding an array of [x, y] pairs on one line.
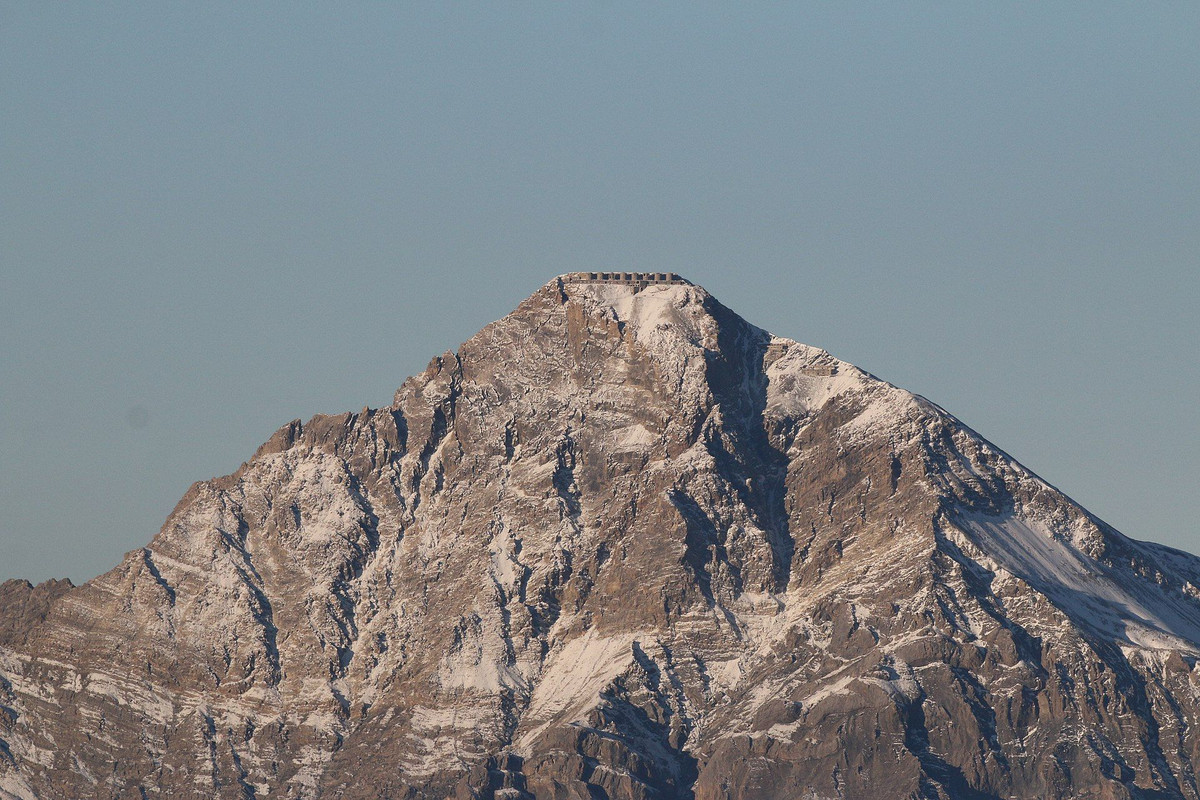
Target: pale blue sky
{"points": [[217, 217]]}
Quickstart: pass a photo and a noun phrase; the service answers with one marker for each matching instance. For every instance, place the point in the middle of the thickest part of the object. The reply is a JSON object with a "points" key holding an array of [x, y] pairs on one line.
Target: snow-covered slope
{"points": [[620, 544]]}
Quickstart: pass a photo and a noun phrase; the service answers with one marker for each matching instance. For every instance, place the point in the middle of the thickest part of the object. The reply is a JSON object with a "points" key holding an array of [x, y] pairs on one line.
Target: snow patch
{"points": [[481, 663], [796, 389], [725, 674], [668, 320], [14, 787], [140, 697], [1116, 604], [574, 678], [634, 438], [886, 409], [436, 734], [827, 690]]}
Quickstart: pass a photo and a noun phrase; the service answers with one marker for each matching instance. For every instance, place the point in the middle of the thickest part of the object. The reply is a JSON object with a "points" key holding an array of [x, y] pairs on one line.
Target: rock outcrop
{"points": [[621, 544]]}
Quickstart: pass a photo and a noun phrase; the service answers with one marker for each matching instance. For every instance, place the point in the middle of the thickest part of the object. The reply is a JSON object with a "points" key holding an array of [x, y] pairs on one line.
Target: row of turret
{"points": [[639, 279]]}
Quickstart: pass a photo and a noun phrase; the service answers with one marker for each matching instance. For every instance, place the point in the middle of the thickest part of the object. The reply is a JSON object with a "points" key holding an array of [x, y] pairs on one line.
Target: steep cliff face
{"points": [[621, 544]]}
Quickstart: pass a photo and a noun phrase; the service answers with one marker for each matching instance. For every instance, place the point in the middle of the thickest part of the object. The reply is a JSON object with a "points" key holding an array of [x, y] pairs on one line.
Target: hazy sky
{"points": [[216, 218]]}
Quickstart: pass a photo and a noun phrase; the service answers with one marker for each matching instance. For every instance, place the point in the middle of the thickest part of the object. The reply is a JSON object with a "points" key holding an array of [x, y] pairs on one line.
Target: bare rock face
{"points": [[622, 544]]}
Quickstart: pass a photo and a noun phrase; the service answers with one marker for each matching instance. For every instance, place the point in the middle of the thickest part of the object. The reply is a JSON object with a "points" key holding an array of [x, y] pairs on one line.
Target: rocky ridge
{"points": [[621, 544]]}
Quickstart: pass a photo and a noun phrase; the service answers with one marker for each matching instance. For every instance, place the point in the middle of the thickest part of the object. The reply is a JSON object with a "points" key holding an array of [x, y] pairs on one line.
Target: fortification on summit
{"points": [[639, 280]]}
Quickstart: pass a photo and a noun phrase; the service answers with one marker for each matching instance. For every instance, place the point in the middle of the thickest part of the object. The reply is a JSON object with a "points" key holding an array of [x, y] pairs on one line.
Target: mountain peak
{"points": [[620, 543]]}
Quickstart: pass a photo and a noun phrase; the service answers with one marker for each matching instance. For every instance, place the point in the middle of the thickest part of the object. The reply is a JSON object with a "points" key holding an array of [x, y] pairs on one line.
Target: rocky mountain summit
{"points": [[621, 544]]}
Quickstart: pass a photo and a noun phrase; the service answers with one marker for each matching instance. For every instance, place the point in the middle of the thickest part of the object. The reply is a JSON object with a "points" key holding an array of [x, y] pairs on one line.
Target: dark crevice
{"points": [[938, 771], [758, 472]]}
